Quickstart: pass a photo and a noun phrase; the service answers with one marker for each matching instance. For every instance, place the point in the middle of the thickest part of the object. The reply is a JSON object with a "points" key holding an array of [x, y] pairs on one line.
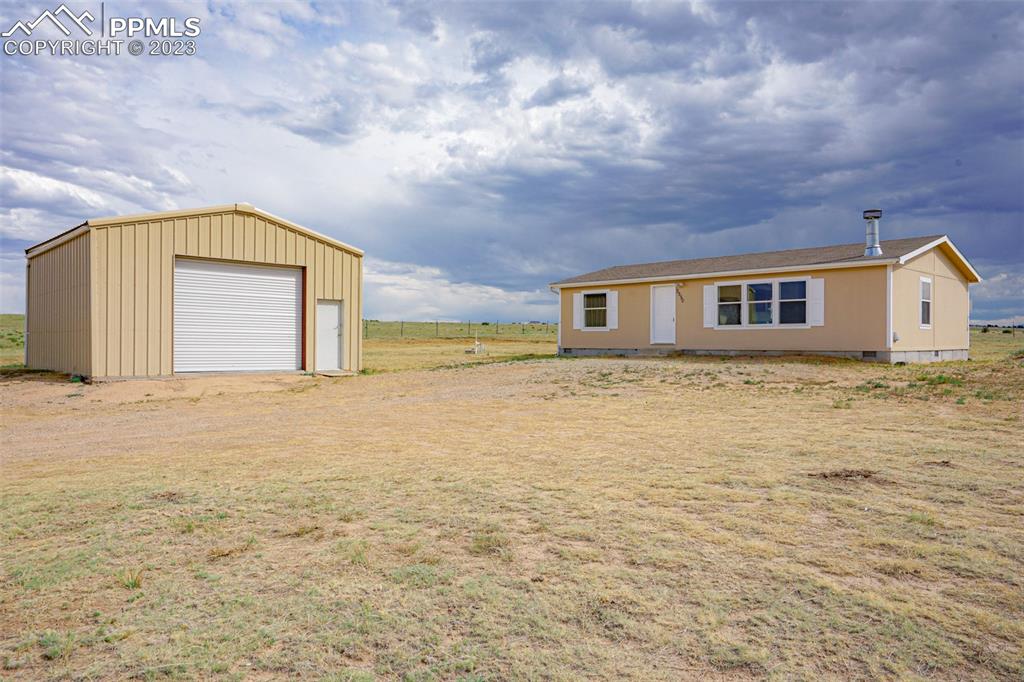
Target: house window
{"points": [[729, 304], [595, 310], [926, 302], [773, 303], [759, 303], [793, 302]]}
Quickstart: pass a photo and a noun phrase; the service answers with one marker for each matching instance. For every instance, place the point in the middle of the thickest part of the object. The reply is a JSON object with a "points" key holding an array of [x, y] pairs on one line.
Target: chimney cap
{"points": [[873, 214]]}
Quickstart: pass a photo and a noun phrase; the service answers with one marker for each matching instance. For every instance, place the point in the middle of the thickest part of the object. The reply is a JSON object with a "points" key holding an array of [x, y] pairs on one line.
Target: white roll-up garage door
{"points": [[230, 317]]}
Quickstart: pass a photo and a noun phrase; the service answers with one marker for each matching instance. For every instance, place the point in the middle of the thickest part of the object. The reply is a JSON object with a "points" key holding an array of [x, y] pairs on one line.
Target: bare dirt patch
{"points": [[845, 474]]}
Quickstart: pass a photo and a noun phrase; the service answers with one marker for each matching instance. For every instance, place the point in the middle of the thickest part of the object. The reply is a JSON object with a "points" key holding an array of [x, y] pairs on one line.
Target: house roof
{"points": [[52, 242], [842, 255]]}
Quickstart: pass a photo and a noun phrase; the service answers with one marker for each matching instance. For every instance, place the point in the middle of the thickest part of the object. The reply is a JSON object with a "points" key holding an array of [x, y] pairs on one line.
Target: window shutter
{"points": [[613, 310], [577, 311], [816, 302], [710, 305]]}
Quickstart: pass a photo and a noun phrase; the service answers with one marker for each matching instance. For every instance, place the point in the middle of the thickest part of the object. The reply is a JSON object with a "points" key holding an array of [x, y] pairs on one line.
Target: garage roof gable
{"points": [[41, 247]]}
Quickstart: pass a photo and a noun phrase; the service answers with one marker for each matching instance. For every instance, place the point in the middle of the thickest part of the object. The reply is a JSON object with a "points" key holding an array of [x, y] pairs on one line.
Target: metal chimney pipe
{"points": [[871, 245]]}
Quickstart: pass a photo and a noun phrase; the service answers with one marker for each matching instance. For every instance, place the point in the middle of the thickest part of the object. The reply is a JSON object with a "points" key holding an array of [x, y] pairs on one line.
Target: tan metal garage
{"points": [[224, 288]]}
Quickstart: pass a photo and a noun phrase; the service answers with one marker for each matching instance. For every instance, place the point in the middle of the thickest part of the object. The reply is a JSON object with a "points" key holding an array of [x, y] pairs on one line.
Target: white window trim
{"points": [[744, 310], [584, 293], [921, 299]]}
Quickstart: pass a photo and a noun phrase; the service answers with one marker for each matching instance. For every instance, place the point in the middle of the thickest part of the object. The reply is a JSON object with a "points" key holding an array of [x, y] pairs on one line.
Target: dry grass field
{"points": [[377, 329], [395, 346], [691, 518], [389, 355], [12, 340]]}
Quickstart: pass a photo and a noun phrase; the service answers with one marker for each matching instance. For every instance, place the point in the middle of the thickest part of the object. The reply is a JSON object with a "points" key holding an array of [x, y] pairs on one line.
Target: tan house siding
{"points": [[855, 317], [133, 274], [950, 304], [58, 304]]}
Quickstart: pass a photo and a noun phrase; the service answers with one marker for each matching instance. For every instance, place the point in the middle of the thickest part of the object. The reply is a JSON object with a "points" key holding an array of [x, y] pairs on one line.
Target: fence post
{"points": [[401, 328], [437, 328], [470, 332]]}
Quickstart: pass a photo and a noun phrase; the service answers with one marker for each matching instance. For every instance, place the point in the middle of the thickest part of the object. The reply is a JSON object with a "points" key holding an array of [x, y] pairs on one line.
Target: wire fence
{"points": [[377, 329]]}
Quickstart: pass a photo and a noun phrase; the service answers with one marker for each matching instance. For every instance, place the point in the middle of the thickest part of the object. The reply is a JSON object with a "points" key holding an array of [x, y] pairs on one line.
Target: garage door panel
{"points": [[230, 316]]}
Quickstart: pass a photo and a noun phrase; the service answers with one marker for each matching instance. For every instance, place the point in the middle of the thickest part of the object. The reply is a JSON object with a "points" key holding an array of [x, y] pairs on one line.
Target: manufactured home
{"points": [[223, 288], [899, 300]]}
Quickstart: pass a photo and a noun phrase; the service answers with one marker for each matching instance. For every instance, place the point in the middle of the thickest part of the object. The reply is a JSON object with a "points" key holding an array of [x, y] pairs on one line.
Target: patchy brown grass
{"points": [[395, 354], [552, 519]]}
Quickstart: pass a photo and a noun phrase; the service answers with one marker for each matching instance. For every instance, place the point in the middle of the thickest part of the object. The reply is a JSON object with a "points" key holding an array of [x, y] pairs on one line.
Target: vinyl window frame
{"points": [[588, 292], [744, 303], [778, 300], [772, 302], [921, 300]]}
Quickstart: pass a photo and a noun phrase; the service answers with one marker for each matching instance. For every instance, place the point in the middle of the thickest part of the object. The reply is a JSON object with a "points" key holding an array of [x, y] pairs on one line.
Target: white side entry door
{"points": [[328, 335], [663, 314]]}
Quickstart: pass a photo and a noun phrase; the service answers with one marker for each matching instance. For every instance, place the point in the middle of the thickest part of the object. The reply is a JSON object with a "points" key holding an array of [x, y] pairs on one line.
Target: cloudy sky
{"points": [[479, 151]]}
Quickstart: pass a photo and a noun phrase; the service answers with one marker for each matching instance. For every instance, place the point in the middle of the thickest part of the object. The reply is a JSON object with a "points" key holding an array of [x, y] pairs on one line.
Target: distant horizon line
{"points": [[1003, 322]]}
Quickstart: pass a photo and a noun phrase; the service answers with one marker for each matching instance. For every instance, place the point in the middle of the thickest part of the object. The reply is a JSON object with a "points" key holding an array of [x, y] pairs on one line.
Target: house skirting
{"points": [[892, 357], [927, 355]]}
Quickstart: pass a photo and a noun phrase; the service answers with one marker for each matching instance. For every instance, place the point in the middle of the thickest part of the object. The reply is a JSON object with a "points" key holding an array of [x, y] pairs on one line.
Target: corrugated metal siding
{"points": [[133, 270], [58, 308]]}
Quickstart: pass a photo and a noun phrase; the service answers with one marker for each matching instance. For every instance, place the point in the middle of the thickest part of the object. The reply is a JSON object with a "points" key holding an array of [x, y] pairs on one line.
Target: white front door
{"points": [[663, 314], [328, 335], [236, 316]]}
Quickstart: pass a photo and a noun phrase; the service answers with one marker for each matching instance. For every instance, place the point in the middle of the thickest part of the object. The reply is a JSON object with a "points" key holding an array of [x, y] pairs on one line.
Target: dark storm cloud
{"points": [[914, 107], [417, 17], [557, 90], [529, 141], [490, 53], [327, 121]]}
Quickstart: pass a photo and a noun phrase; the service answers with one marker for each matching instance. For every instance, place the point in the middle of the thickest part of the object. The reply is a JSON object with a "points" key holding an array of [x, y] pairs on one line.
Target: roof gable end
{"points": [[946, 246], [241, 208]]}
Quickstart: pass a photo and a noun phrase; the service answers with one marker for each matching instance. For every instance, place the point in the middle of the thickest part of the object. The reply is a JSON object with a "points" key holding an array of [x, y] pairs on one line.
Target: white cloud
{"points": [[12, 282], [403, 291], [23, 186], [1002, 285], [32, 220], [29, 225], [265, 30]]}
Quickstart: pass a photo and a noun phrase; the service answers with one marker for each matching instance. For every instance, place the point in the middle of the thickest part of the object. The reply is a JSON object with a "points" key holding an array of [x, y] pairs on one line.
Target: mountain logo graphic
{"points": [[30, 26]]}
